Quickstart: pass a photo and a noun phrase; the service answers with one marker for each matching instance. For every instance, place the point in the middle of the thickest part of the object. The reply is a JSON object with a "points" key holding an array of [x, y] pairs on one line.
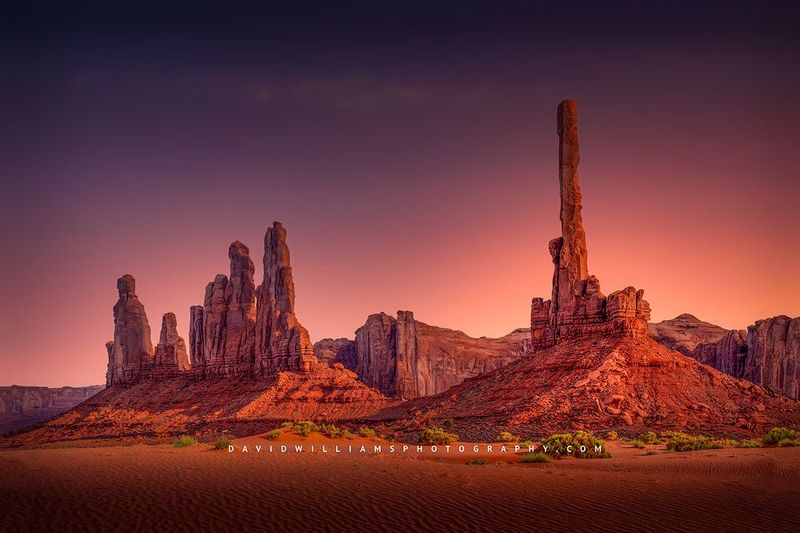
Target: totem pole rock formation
{"points": [[132, 348], [281, 343], [577, 306]]}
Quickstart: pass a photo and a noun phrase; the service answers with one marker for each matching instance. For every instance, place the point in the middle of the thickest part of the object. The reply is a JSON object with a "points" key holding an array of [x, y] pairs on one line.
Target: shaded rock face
{"points": [[281, 342], [240, 299], [171, 348], [132, 348], [196, 350], [577, 306], [228, 318], [333, 351], [21, 407], [767, 353], [405, 358], [773, 354]]}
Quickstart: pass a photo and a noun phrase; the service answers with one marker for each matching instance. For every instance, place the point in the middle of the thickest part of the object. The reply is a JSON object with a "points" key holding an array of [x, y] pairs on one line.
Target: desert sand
{"points": [[160, 487]]}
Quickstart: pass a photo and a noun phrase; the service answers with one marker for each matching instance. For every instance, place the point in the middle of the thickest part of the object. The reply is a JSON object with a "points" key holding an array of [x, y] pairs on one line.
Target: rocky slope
{"points": [[405, 358], [622, 383], [21, 407], [242, 405]]}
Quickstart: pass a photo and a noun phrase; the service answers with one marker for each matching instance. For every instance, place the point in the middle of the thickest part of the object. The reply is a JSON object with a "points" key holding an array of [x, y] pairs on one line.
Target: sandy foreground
{"points": [[165, 488]]}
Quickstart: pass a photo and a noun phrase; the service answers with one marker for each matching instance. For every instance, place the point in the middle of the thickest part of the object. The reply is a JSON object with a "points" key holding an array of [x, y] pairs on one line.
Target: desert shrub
{"points": [[611, 435], [476, 462], [537, 457], [749, 443], [558, 443], [506, 436], [345, 433], [682, 442], [727, 443], [288, 425], [273, 435], [330, 430], [184, 441], [789, 443], [437, 436], [448, 423], [776, 435], [222, 442], [526, 444], [366, 432], [304, 428], [648, 437], [636, 443]]}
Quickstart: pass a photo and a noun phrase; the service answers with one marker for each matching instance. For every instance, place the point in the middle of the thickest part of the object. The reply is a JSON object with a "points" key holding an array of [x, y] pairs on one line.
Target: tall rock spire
{"points": [[132, 347], [240, 298], [281, 342], [577, 307], [571, 247]]}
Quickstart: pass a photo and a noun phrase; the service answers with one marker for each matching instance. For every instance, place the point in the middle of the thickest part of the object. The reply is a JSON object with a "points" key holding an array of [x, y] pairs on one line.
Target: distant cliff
{"points": [[767, 353], [21, 407], [405, 358]]}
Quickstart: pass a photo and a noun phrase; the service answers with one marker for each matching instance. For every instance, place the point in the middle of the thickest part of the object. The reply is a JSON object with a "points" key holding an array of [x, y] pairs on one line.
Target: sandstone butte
{"points": [[589, 361]]}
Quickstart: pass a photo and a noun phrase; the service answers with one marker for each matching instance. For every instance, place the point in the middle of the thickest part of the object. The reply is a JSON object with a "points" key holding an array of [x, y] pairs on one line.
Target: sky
{"points": [[409, 150]]}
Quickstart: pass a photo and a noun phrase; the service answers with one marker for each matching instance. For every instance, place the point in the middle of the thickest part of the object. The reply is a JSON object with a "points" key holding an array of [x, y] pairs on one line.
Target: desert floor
{"points": [[165, 488]]}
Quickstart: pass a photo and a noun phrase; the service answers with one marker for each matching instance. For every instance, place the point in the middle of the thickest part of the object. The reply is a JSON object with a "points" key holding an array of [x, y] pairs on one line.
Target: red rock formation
{"points": [[406, 358], [214, 314], [376, 356], [281, 342], [171, 348], [132, 348], [196, 350], [240, 300], [773, 354], [578, 307]]}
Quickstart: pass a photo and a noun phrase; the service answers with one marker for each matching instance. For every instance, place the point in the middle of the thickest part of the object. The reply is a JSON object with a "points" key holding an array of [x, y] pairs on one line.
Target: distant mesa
{"points": [[405, 358], [767, 353]]}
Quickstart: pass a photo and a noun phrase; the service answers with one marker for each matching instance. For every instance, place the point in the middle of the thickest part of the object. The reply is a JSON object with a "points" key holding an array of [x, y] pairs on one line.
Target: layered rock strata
{"points": [[577, 306]]}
